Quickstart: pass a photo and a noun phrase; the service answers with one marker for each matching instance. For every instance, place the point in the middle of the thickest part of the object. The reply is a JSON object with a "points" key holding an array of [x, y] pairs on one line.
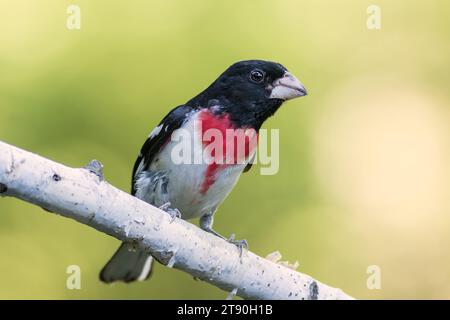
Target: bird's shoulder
{"points": [[159, 137]]}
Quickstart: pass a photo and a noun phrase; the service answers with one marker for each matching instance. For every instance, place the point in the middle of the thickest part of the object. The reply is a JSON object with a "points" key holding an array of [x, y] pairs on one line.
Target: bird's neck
{"points": [[241, 114]]}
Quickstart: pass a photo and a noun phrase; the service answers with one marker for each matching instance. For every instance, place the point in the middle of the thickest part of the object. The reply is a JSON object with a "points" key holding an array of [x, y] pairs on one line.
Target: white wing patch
{"points": [[155, 131], [139, 168]]}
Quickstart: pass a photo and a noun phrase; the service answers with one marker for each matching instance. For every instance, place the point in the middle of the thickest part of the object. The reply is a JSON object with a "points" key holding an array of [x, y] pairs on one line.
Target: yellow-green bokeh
{"points": [[365, 158]]}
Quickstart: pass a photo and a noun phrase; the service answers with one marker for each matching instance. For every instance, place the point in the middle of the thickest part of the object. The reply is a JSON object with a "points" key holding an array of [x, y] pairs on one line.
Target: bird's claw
{"points": [[240, 244], [173, 212], [165, 206]]}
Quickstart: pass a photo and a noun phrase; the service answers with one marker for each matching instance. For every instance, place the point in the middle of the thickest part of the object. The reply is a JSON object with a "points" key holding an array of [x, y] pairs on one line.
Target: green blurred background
{"points": [[364, 171]]}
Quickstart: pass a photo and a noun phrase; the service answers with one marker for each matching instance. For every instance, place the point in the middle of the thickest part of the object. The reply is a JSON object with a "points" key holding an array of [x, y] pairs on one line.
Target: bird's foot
{"points": [[240, 244], [173, 212], [165, 206], [96, 168], [206, 222]]}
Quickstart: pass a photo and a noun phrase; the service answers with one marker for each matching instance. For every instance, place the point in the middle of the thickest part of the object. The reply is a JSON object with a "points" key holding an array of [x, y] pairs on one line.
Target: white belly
{"points": [[181, 184], [184, 188]]}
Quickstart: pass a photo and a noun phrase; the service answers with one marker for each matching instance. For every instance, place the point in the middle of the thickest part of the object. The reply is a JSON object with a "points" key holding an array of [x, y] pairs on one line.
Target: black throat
{"points": [[243, 113]]}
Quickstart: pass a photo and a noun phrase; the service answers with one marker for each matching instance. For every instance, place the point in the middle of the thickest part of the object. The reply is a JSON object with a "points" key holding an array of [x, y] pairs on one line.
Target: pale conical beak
{"points": [[287, 87]]}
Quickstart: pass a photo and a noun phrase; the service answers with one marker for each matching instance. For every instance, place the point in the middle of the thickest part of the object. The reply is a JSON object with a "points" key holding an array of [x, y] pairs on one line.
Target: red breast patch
{"points": [[223, 144]]}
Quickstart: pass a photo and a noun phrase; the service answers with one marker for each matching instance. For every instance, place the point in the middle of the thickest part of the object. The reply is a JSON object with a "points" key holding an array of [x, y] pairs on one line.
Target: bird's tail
{"points": [[127, 265]]}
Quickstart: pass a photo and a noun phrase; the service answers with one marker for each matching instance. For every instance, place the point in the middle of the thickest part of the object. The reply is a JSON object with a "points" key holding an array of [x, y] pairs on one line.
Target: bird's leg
{"points": [[173, 212], [206, 222]]}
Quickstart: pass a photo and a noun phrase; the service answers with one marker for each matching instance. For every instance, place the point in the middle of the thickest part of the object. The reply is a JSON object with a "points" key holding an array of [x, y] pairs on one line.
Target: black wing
{"points": [[172, 121], [250, 164], [248, 167]]}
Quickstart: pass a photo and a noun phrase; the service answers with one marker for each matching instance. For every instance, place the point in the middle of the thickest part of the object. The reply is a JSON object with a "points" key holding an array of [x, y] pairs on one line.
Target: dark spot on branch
{"points": [[163, 257], [313, 291], [56, 177], [3, 188]]}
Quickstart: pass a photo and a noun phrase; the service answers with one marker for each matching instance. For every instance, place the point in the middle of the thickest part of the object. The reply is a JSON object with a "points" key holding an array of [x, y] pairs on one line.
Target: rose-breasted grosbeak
{"points": [[243, 97]]}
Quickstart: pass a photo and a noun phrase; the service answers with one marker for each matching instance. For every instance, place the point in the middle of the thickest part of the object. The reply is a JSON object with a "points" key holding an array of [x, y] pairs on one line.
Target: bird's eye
{"points": [[257, 76]]}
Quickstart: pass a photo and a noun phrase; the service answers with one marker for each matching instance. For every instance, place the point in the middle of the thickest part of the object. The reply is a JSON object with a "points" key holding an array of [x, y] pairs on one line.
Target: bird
{"points": [[245, 95]]}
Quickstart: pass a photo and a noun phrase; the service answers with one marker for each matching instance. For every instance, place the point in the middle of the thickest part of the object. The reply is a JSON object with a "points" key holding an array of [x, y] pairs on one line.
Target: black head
{"points": [[250, 92]]}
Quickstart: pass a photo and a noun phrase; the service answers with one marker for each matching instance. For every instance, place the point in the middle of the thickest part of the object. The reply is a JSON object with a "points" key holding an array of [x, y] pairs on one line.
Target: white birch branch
{"points": [[81, 195]]}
